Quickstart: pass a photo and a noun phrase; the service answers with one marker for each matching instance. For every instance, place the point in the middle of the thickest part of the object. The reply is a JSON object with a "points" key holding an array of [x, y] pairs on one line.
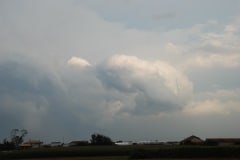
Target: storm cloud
{"points": [[70, 68]]}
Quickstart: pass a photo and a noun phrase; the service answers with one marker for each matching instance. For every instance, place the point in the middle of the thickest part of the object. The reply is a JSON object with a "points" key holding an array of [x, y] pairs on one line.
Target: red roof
{"points": [[33, 142]]}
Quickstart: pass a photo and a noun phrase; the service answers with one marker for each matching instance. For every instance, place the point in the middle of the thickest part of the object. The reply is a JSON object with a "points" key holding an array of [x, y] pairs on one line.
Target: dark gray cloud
{"points": [[26, 97], [32, 98]]}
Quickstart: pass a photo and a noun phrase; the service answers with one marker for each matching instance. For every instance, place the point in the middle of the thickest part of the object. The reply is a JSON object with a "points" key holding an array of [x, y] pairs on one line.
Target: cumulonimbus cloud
{"points": [[156, 84]]}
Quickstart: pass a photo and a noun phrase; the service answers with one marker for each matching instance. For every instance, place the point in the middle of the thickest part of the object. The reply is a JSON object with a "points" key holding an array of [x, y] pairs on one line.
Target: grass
{"points": [[124, 152], [188, 152], [84, 151]]}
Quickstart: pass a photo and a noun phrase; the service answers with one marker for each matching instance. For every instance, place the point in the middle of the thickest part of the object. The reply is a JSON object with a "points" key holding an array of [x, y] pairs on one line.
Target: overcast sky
{"points": [[128, 69]]}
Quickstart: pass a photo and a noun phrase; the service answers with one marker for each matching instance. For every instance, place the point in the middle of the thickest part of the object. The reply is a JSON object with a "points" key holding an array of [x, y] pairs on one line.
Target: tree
{"points": [[98, 139], [17, 136]]}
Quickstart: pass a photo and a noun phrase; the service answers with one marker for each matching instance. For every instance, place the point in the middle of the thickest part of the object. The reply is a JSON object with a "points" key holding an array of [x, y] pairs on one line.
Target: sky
{"points": [[128, 69]]}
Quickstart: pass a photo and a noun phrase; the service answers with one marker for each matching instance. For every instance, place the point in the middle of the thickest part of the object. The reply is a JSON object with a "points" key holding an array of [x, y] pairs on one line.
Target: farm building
{"points": [[192, 140]]}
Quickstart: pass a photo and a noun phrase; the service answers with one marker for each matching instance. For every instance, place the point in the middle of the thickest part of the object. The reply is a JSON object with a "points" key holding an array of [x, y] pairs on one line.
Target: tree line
{"points": [[17, 138]]}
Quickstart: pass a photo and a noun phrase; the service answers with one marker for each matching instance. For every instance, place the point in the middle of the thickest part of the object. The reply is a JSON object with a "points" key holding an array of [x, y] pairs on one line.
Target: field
{"points": [[85, 158], [125, 152]]}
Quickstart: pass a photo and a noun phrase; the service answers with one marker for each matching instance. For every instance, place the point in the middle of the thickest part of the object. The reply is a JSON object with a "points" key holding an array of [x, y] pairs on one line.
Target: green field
{"points": [[125, 152]]}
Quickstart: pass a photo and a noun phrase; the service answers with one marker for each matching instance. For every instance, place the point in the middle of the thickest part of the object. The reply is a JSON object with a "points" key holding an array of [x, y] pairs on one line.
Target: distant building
{"points": [[222, 141], [122, 143], [25, 146], [56, 144], [31, 144], [192, 140]]}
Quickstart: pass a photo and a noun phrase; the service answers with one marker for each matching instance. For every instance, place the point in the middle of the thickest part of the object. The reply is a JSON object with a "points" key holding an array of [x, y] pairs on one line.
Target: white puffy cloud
{"points": [[153, 84], [212, 107], [139, 69], [214, 60], [205, 107], [232, 28], [79, 62]]}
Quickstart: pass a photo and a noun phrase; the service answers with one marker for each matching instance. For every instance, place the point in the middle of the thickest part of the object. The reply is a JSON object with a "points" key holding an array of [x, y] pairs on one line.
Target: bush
{"points": [[98, 139]]}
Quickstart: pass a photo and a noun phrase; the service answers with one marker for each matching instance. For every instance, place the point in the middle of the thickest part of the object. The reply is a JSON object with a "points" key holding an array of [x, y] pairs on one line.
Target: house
{"points": [[31, 144], [192, 140], [222, 141]]}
